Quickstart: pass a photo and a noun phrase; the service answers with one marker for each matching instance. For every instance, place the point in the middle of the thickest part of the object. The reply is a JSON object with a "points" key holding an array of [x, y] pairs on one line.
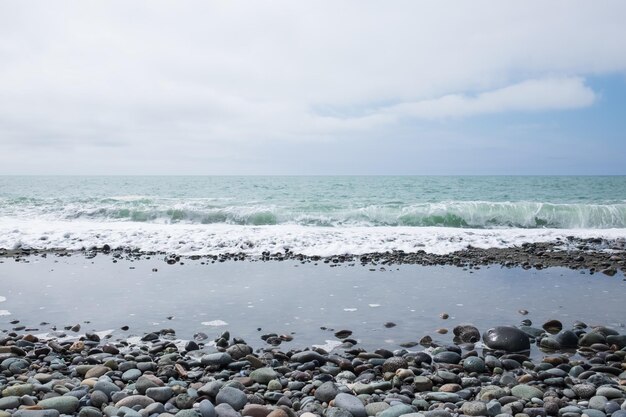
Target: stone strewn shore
{"points": [[157, 377], [594, 255]]}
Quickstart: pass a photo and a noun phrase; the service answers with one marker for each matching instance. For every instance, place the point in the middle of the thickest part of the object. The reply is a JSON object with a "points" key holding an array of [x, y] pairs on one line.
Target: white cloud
{"points": [[223, 74], [530, 95]]}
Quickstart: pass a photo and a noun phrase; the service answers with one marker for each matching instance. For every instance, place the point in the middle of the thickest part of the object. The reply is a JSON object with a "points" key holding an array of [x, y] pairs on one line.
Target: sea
{"points": [[316, 215]]}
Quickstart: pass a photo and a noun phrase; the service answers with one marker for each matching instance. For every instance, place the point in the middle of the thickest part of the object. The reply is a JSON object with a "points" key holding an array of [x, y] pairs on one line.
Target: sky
{"points": [[312, 87]]}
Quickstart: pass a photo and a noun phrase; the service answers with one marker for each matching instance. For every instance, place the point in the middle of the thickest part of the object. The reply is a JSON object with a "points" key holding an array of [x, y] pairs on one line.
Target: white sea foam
{"points": [[2, 299], [201, 239], [214, 323], [329, 345], [5, 313]]}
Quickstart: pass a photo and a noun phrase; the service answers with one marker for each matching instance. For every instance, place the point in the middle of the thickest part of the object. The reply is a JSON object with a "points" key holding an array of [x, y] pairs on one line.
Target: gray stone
{"points": [[225, 410], [493, 408], [617, 339], [610, 392], [18, 390], [36, 413], [351, 403], [526, 392], [474, 364], [233, 397], [610, 407], [9, 402], [421, 384], [184, 401], [535, 412], [143, 383], [211, 388], [447, 357], [567, 339], [491, 392], [154, 408], [374, 408], [584, 390], [598, 402], [397, 411], [110, 411], [216, 359], [474, 408], [160, 394], [263, 375], [207, 409], [65, 404], [442, 396], [134, 400], [90, 412], [107, 387], [187, 413], [437, 413], [128, 412], [570, 409], [360, 388], [336, 412], [98, 398], [308, 356], [326, 392], [593, 413], [131, 375]]}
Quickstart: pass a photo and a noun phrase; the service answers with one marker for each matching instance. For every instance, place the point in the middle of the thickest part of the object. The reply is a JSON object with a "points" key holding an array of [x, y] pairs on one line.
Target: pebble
{"points": [[263, 375], [526, 392], [231, 396], [351, 404], [474, 408], [65, 404]]}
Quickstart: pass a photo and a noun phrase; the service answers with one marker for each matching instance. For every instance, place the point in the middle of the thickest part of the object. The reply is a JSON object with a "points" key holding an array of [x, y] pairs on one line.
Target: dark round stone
{"points": [[510, 339]]}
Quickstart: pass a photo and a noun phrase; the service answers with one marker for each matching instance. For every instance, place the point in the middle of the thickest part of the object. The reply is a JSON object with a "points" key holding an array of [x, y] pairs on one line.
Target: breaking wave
{"points": [[453, 214]]}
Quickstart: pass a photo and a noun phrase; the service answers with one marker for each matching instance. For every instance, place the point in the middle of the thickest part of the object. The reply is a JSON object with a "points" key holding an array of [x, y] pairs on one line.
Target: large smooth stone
{"points": [[133, 400], [307, 356], [618, 340], [567, 339], [474, 408], [326, 392], [233, 397], [36, 413], [526, 392], [510, 339], [263, 375], [350, 403], [65, 404], [397, 411]]}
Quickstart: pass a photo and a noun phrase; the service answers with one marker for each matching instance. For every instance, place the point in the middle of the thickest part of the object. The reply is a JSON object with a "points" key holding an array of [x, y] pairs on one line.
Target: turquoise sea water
{"points": [[474, 202], [336, 214]]}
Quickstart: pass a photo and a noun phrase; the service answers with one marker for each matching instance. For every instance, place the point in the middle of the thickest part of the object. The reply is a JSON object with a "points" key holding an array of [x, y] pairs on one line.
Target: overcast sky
{"points": [[312, 87]]}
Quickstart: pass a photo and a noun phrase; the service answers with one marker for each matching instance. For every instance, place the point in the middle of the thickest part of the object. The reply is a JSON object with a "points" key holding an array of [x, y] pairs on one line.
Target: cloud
{"points": [[530, 95], [223, 75]]}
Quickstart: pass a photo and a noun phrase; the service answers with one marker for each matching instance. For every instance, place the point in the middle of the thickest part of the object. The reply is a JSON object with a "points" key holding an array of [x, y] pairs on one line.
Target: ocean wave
{"points": [[454, 214]]}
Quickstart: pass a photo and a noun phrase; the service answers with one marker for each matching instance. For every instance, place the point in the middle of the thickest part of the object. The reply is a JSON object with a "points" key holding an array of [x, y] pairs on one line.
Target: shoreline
{"points": [[592, 254]]}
